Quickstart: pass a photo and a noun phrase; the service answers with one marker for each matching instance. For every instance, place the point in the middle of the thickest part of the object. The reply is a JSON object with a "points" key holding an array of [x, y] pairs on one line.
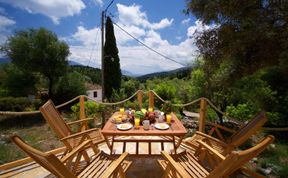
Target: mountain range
{"points": [[180, 73]]}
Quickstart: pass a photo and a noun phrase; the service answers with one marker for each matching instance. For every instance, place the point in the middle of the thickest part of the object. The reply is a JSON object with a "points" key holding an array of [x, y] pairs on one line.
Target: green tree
{"points": [[112, 72], [38, 50], [250, 34], [17, 82], [69, 86]]}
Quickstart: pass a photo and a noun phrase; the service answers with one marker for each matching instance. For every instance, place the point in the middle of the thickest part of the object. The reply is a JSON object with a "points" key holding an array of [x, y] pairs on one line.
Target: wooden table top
{"points": [[176, 129]]}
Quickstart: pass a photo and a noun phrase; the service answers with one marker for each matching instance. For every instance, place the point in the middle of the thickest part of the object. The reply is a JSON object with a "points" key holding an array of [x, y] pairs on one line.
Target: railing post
{"points": [[203, 105], [140, 98], [151, 99], [82, 112]]}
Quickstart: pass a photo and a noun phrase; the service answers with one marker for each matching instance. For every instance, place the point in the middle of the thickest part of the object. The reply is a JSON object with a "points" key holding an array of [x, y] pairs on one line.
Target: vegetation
{"points": [[33, 50], [242, 69], [112, 72]]}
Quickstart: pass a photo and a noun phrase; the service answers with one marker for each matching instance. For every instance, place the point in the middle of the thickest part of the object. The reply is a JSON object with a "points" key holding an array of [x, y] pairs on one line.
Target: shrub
{"points": [[14, 104], [91, 109], [241, 112]]}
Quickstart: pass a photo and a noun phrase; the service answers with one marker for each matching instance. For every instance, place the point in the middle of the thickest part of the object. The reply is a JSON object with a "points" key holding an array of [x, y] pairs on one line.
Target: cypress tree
{"points": [[112, 72]]}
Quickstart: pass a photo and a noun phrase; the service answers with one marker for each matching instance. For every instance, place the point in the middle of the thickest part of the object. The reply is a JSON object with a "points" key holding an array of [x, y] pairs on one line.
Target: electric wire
{"points": [[148, 47]]}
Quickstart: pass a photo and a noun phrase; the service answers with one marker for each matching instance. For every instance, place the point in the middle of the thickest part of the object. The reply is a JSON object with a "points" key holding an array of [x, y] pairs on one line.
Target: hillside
{"points": [[94, 74], [178, 73]]}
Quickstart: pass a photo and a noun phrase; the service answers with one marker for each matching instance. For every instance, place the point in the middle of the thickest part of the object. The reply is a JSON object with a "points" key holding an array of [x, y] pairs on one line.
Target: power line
{"points": [[166, 57], [93, 46]]}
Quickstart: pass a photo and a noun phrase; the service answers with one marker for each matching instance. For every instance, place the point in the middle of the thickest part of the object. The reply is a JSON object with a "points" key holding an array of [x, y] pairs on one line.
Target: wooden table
{"points": [[176, 130]]}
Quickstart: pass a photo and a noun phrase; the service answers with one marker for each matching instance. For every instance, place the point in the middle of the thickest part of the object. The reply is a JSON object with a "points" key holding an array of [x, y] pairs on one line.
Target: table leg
{"points": [[110, 145], [176, 146]]}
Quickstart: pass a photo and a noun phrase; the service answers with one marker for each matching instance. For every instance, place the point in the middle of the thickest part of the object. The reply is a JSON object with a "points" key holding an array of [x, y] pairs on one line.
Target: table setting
{"points": [[146, 119]]}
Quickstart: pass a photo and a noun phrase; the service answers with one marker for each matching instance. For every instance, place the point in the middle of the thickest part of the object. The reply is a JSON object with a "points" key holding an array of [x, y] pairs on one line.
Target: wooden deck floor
{"points": [[143, 165]]}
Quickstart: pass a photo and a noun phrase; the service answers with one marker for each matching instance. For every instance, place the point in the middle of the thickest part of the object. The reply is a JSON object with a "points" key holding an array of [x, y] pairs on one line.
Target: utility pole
{"points": [[102, 55]]}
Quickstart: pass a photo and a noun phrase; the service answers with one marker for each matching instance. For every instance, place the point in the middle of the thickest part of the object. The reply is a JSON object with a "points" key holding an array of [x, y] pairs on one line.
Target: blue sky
{"points": [[159, 24]]}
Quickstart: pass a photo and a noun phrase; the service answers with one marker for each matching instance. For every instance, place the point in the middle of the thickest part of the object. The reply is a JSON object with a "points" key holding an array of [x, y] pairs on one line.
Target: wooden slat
{"points": [[27, 160]]}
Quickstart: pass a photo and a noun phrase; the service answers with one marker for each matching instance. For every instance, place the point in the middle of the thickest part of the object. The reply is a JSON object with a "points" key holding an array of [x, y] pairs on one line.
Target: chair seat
{"points": [[94, 134], [189, 162], [200, 136], [99, 164]]}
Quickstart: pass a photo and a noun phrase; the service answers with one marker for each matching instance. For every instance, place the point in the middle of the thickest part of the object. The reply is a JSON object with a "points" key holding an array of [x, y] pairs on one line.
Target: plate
{"points": [[161, 126], [124, 126]]}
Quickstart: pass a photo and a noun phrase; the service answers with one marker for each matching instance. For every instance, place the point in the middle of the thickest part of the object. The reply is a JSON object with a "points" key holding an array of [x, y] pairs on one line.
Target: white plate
{"points": [[124, 126], [161, 126]]}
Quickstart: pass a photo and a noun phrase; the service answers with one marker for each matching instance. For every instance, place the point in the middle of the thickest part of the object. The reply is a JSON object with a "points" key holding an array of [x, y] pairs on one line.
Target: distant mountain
{"points": [[4, 60], [179, 73], [129, 74], [73, 63], [92, 73]]}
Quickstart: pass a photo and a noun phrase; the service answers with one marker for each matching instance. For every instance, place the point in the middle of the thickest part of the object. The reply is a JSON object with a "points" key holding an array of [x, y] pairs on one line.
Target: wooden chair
{"points": [[186, 164], [237, 139], [62, 130], [101, 165]]}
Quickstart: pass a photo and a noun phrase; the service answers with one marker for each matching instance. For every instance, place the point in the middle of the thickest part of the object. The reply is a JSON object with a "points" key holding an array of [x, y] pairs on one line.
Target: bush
{"points": [[91, 109], [69, 86], [14, 104], [241, 112]]}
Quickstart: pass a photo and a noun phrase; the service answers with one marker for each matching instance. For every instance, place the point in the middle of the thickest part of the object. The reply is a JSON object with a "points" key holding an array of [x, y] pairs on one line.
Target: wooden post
{"points": [[203, 105], [140, 98], [82, 112], [151, 99]]}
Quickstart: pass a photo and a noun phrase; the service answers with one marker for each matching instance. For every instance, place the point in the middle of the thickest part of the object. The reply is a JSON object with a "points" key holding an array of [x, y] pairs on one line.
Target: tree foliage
{"points": [[38, 50], [249, 34], [69, 86], [112, 72], [17, 82]]}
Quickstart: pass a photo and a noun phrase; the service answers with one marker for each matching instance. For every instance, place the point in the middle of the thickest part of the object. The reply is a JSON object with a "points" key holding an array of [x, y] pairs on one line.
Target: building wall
{"points": [[90, 94]]}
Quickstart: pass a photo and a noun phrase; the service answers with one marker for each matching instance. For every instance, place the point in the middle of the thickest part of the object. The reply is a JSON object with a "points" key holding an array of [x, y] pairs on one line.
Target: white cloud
{"points": [[199, 27], [99, 2], [86, 37], [132, 15], [5, 23], [54, 9], [162, 24], [136, 58], [185, 21], [123, 38]]}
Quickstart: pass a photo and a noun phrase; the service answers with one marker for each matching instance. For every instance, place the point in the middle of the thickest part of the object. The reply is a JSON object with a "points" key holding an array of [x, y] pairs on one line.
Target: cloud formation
{"points": [[5, 23], [134, 57], [54, 9], [185, 21], [132, 15]]}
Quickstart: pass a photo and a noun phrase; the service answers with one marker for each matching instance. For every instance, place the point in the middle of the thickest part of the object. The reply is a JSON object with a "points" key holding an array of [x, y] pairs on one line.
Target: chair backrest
{"points": [[246, 131], [55, 120], [236, 160], [48, 161]]}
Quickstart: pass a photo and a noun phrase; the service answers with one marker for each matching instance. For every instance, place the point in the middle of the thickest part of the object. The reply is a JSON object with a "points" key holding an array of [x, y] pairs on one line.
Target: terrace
{"points": [[145, 146]]}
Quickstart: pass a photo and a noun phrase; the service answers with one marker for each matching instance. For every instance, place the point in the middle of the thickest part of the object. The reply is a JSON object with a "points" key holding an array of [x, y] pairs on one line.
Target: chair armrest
{"points": [[210, 149], [113, 167], [76, 150], [80, 134], [174, 165], [208, 137], [79, 121], [221, 127]]}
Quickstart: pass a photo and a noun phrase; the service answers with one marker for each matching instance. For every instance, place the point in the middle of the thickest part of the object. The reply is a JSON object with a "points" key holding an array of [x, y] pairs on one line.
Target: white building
{"points": [[94, 91]]}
